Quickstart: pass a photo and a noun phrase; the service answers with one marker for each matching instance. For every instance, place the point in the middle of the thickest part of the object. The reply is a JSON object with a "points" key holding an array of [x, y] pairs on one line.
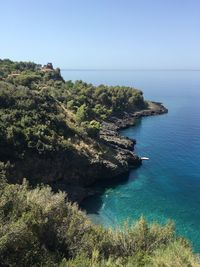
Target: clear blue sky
{"points": [[102, 33]]}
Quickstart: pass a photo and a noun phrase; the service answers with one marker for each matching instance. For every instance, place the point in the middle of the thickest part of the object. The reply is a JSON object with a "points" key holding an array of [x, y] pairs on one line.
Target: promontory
{"points": [[65, 133]]}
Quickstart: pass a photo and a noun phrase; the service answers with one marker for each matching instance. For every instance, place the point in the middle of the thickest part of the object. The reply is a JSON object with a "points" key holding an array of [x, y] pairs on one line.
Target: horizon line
{"points": [[131, 69]]}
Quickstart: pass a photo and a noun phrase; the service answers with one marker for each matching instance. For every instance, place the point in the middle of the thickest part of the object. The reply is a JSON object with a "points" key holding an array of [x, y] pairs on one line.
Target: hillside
{"points": [[51, 129]]}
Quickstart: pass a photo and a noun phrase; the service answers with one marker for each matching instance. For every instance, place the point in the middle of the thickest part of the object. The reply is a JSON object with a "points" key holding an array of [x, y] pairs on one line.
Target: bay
{"points": [[168, 185]]}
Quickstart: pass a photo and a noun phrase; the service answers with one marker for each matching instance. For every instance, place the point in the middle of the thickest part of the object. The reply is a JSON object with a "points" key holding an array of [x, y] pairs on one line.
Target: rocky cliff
{"points": [[122, 149]]}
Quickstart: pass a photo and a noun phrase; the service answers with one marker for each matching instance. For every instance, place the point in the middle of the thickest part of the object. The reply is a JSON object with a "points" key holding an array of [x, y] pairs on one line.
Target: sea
{"points": [[167, 186]]}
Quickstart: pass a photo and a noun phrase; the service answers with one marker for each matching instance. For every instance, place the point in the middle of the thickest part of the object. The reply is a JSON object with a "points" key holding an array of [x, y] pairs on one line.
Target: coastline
{"points": [[124, 146], [80, 143]]}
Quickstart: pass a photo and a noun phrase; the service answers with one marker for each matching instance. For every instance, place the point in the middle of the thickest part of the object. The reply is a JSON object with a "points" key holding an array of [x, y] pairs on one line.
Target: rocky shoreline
{"points": [[123, 147], [128, 119], [78, 173], [109, 133]]}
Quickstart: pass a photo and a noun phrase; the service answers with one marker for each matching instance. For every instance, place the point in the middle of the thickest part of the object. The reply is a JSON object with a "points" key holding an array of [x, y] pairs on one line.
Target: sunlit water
{"points": [[168, 185]]}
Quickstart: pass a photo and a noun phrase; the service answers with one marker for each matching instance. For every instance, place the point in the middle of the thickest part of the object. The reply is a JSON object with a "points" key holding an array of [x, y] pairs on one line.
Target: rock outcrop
{"points": [[123, 157]]}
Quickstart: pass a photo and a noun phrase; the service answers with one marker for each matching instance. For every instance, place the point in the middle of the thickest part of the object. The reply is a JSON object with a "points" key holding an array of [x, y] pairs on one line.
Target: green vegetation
{"points": [[30, 122], [42, 118], [40, 228], [86, 101], [47, 128], [7, 67], [102, 101]]}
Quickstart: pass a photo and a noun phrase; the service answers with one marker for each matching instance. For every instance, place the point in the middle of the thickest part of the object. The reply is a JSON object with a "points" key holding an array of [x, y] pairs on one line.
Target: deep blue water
{"points": [[168, 185]]}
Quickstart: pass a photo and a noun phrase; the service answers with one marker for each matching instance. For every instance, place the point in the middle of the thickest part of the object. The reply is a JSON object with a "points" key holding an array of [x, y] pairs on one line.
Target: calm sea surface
{"points": [[168, 185]]}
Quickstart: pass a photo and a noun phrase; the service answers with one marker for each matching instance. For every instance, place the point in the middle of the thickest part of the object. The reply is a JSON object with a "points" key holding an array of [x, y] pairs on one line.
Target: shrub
{"points": [[93, 128], [40, 228], [82, 113]]}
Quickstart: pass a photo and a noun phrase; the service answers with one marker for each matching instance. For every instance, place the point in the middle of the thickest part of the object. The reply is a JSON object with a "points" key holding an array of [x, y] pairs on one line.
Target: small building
{"points": [[48, 67]]}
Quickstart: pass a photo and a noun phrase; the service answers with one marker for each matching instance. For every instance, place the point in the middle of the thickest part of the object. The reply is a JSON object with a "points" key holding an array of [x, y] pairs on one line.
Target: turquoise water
{"points": [[168, 185]]}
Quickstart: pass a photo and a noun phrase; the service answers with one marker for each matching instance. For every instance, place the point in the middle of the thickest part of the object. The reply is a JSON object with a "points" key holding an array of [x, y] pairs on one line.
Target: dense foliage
{"points": [[85, 100], [30, 122], [7, 67], [43, 118], [41, 114], [40, 228], [90, 102]]}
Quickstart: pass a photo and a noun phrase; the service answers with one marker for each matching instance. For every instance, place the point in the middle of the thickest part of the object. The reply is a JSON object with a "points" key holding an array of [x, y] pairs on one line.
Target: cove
{"points": [[168, 185]]}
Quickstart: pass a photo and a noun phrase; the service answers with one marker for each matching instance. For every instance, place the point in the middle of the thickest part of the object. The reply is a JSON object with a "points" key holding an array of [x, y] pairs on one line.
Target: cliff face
{"points": [[121, 148], [76, 171]]}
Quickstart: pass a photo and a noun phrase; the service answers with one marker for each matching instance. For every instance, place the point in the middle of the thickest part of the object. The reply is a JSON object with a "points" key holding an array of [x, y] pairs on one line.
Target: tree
{"points": [[82, 113]]}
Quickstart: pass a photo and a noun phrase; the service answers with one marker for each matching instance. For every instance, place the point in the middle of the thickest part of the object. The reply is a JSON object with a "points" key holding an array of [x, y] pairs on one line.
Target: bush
{"points": [[26, 79], [39, 228], [93, 128], [178, 253], [36, 224], [82, 113]]}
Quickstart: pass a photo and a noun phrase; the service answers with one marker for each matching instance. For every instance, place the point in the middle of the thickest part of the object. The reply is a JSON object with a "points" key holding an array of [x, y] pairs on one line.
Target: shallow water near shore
{"points": [[167, 186]]}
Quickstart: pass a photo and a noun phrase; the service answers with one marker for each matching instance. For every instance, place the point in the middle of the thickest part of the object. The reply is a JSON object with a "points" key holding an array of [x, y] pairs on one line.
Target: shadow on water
{"points": [[93, 204]]}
